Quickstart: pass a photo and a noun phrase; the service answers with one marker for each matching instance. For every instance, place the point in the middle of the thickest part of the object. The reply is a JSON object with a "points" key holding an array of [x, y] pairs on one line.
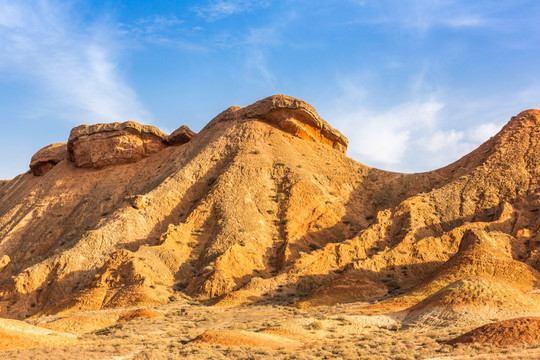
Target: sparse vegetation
{"points": [[316, 325]]}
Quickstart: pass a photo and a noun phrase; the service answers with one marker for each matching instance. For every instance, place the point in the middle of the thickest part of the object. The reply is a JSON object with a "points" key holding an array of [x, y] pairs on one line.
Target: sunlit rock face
{"points": [[101, 145], [291, 115]]}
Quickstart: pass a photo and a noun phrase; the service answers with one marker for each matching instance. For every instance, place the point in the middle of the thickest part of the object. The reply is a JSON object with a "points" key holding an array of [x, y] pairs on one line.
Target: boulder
{"points": [[4, 262], [101, 145], [45, 159], [180, 136]]}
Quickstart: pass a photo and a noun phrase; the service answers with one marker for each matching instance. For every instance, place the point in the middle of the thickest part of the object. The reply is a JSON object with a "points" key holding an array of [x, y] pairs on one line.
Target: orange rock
{"points": [[180, 136], [514, 332], [100, 145], [45, 159], [291, 115]]}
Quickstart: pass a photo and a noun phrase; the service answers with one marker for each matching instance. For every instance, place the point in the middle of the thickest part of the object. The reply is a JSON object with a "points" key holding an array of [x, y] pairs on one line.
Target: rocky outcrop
{"points": [[45, 159], [101, 145], [291, 115], [180, 136]]}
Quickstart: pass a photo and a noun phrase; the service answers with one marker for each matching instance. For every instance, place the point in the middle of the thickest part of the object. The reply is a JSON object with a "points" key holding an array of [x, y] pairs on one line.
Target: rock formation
{"points": [[180, 136], [264, 205], [45, 159], [290, 115], [101, 145]]}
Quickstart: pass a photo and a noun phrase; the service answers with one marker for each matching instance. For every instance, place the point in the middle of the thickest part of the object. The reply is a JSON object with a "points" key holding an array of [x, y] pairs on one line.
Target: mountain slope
{"points": [[261, 205]]}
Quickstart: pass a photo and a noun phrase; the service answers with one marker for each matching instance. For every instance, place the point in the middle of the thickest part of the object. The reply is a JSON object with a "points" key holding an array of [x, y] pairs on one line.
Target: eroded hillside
{"points": [[264, 206]]}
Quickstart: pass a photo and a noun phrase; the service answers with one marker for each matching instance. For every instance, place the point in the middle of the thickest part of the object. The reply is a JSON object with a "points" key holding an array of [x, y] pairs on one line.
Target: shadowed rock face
{"points": [[291, 115], [45, 159], [101, 145], [180, 136]]}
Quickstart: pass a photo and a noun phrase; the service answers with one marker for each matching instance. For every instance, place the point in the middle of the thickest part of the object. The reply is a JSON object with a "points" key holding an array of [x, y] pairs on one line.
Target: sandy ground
{"points": [[190, 330]]}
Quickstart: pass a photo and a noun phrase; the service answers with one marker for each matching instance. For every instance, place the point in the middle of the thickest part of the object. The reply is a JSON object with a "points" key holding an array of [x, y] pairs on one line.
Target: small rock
{"points": [[45, 159], [139, 202], [4, 262], [180, 136]]}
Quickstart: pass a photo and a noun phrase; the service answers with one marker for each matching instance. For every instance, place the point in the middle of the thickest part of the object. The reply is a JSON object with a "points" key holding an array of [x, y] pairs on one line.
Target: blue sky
{"points": [[414, 85]]}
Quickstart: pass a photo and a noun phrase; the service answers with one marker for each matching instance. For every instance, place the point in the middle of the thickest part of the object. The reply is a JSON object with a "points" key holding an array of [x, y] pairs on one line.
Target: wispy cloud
{"points": [[219, 9], [255, 45], [423, 15], [73, 63], [163, 30]]}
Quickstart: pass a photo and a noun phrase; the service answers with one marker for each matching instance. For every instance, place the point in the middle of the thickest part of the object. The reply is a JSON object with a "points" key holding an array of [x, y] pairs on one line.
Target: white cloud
{"points": [[76, 67], [255, 45], [385, 137], [441, 140], [386, 147], [482, 132], [427, 17], [10, 15], [420, 134]]}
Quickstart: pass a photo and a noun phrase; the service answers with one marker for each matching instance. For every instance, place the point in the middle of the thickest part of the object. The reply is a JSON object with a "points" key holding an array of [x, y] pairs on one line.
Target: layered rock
{"points": [[45, 159], [101, 145], [291, 115]]}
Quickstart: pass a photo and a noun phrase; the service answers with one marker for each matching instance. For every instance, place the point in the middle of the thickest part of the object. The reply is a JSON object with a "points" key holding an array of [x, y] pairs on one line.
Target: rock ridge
{"points": [[291, 115], [107, 144]]}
